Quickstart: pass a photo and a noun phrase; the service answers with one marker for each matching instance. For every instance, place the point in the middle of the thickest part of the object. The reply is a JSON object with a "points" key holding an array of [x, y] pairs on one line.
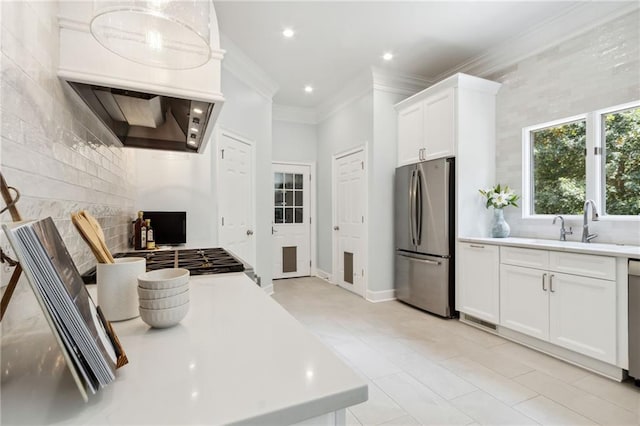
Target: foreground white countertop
{"points": [[572, 246], [237, 357]]}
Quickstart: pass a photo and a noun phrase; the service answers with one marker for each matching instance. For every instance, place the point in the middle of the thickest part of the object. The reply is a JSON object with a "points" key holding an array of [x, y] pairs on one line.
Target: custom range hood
{"points": [[144, 106]]}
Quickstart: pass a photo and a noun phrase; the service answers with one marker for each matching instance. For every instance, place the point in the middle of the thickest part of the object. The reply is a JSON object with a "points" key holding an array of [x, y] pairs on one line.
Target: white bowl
{"points": [[166, 302], [163, 279], [149, 294], [163, 318]]}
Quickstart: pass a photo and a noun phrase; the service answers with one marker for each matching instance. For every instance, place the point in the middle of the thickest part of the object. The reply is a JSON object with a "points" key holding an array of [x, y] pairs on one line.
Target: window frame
{"points": [[594, 162]]}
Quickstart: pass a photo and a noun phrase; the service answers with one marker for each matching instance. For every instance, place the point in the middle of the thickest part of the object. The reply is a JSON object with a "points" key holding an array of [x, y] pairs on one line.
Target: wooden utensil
{"points": [[100, 233], [89, 235]]}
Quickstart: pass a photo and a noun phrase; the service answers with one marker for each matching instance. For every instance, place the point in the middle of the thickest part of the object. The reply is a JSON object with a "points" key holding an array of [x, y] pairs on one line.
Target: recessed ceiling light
{"points": [[193, 129], [197, 110], [288, 32], [308, 89], [387, 56]]}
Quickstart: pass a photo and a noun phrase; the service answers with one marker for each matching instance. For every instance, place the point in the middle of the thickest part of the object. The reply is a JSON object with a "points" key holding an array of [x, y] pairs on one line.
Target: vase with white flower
{"points": [[500, 197]]}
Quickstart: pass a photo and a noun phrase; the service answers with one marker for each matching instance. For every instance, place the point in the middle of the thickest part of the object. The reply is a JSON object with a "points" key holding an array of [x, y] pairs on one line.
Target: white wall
{"points": [[175, 181], [383, 160], [350, 127], [296, 142], [54, 151], [594, 70]]}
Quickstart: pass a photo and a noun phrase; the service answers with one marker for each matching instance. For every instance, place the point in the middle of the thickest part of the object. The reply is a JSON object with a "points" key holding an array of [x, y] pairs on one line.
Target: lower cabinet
{"points": [[478, 286], [572, 311]]}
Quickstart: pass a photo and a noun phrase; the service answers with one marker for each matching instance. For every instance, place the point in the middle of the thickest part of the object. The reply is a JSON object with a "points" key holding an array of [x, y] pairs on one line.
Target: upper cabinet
{"points": [[426, 129], [431, 124]]}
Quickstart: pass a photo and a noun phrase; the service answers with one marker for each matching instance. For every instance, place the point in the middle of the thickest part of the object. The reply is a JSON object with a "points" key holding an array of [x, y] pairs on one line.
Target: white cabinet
{"points": [[478, 287], [411, 133], [426, 129], [576, 311], [439, 125]]}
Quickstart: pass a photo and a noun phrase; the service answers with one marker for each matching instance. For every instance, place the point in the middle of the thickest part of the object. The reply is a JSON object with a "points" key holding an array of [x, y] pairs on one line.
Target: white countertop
{"points": [[237, 357], [572, 246]]}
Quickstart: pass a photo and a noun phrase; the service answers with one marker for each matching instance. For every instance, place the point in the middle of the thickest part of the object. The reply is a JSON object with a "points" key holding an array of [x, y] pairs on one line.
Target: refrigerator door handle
{"points": [[417, 259], [412, 196], [418, 212]]}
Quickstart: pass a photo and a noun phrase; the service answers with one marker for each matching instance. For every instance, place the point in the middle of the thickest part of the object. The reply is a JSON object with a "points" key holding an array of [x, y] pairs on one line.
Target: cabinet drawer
{"points": [[530, 258], [587, 265]]}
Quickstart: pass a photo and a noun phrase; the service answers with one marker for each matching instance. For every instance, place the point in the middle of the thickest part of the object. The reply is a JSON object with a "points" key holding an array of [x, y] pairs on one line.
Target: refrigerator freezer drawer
{"points": [[424, 282]]}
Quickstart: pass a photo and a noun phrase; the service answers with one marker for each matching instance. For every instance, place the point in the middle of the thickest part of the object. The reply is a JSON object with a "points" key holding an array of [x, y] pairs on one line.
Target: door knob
{"points": [[336, 228], [249, 232]]}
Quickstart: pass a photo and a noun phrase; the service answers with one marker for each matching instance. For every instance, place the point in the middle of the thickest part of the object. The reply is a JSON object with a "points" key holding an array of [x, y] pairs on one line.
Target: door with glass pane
{"points": [[291, 221]]}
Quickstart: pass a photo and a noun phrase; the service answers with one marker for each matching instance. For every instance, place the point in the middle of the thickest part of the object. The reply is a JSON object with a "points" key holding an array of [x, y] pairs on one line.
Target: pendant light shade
{"points": [[171, 34]]}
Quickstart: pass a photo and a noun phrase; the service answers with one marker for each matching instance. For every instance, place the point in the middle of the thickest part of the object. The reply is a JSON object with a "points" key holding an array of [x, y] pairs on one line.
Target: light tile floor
{"points": [[422, 369]]}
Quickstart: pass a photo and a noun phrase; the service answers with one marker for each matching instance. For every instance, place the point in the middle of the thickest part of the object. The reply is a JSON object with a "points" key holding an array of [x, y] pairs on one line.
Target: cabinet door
{"points": [[410, 134], [524, 300], [583, 315], [478, 286], [439, 125]]}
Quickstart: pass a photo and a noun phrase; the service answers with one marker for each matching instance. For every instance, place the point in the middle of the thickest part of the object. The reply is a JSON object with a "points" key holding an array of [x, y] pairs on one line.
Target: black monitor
{"points": [[169, 228]]}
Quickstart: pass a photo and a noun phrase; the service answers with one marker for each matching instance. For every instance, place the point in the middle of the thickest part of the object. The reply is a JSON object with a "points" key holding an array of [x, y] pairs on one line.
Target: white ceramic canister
{"points": [[117, 287]]}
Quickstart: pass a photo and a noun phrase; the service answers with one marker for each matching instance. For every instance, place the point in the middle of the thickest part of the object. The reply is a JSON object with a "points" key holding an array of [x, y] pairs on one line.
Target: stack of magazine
{"points": [[87, 341]]}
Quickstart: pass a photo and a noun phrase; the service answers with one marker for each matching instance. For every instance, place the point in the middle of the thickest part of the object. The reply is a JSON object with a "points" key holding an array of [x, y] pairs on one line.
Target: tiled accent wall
{"points": [[594, 70], [53, 150]]}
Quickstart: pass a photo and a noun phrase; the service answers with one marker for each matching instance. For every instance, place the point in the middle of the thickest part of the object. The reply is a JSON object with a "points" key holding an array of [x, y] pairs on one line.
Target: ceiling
{"points": [[334, 42]]}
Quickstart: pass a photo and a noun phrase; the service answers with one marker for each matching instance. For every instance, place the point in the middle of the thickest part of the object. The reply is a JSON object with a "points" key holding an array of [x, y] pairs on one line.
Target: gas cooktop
{"points": [[197, 261]]}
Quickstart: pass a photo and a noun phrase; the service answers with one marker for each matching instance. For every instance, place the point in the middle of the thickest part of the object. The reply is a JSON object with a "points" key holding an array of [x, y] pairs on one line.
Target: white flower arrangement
{"points": [[499, 197]]}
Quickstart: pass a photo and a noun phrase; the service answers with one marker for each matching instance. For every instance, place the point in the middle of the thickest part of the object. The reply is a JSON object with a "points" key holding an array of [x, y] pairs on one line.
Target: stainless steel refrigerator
{"points": [[424, 235]]}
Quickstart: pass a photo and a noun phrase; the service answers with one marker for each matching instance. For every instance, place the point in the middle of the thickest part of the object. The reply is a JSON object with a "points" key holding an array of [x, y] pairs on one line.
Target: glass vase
{"points": [[500, 228]]}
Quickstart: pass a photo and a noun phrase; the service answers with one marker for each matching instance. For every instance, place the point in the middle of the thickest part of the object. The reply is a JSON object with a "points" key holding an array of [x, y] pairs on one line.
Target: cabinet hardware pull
{"points": [[476, 246], [551, 284], [544, 277]]}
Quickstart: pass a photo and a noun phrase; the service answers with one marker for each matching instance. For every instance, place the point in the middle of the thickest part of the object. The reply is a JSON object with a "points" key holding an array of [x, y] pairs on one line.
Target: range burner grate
{"points": [[197, 261]]}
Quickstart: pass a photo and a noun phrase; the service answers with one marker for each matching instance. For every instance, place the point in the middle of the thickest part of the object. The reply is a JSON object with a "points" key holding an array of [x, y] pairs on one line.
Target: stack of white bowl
{"points": [[164, 296]]}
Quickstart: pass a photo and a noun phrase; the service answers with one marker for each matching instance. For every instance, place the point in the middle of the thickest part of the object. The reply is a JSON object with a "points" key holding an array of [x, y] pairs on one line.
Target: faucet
{"points": [[563, 231], [586, 237]]}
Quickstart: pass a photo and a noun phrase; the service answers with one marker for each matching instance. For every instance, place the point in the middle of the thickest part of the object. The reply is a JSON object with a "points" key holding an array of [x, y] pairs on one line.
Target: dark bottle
{"points": [[140, 233], [151, 242]]}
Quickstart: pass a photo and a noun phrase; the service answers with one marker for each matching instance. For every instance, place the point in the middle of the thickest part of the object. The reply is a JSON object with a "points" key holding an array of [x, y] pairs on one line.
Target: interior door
{"points": [[350, 186], [291, 221], [236, 194]]}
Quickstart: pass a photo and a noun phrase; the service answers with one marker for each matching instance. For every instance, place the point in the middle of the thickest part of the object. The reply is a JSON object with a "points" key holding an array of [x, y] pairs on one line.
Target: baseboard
{"points": [[324, 275], [381, 296], [268, 289]]}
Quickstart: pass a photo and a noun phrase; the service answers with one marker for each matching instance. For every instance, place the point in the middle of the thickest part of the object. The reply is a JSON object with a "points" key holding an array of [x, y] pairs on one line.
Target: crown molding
{"points": [[399, 83], [294, 114], [543, 36], [246, 70], [355, 89]]}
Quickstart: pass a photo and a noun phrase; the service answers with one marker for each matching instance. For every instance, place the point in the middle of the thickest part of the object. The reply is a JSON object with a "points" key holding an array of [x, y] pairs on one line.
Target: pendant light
{"points": [[171, 34]]}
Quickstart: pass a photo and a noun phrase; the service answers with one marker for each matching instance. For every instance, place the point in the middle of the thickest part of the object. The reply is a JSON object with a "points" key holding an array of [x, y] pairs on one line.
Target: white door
{"points": [[410, 134], [236, 194], [583, 315], [479, 285], [349, 226], [524, 300], [439, 125], [291, 220]]}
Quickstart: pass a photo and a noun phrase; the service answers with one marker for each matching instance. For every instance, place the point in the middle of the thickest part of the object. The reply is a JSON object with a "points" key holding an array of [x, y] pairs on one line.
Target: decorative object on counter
{"points": [[140, 232], [499, 197], [164, 296], [92, 234], [89, 346], [10, 204], [117, 284], [151, 242], [167, 34]]}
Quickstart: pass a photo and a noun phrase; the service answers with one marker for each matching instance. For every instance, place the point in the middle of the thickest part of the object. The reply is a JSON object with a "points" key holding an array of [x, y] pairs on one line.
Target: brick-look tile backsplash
{"points": [[595, 70], [53, 150]]}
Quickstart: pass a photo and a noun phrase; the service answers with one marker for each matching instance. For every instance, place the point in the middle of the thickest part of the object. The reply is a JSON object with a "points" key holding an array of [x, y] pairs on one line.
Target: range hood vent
{"points": [[142, 106]]}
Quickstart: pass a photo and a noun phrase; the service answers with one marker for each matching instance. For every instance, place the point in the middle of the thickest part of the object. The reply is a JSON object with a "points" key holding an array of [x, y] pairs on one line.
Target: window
{"points": [[288, 192], [559, 168], [621, 134], [591, 156]]}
